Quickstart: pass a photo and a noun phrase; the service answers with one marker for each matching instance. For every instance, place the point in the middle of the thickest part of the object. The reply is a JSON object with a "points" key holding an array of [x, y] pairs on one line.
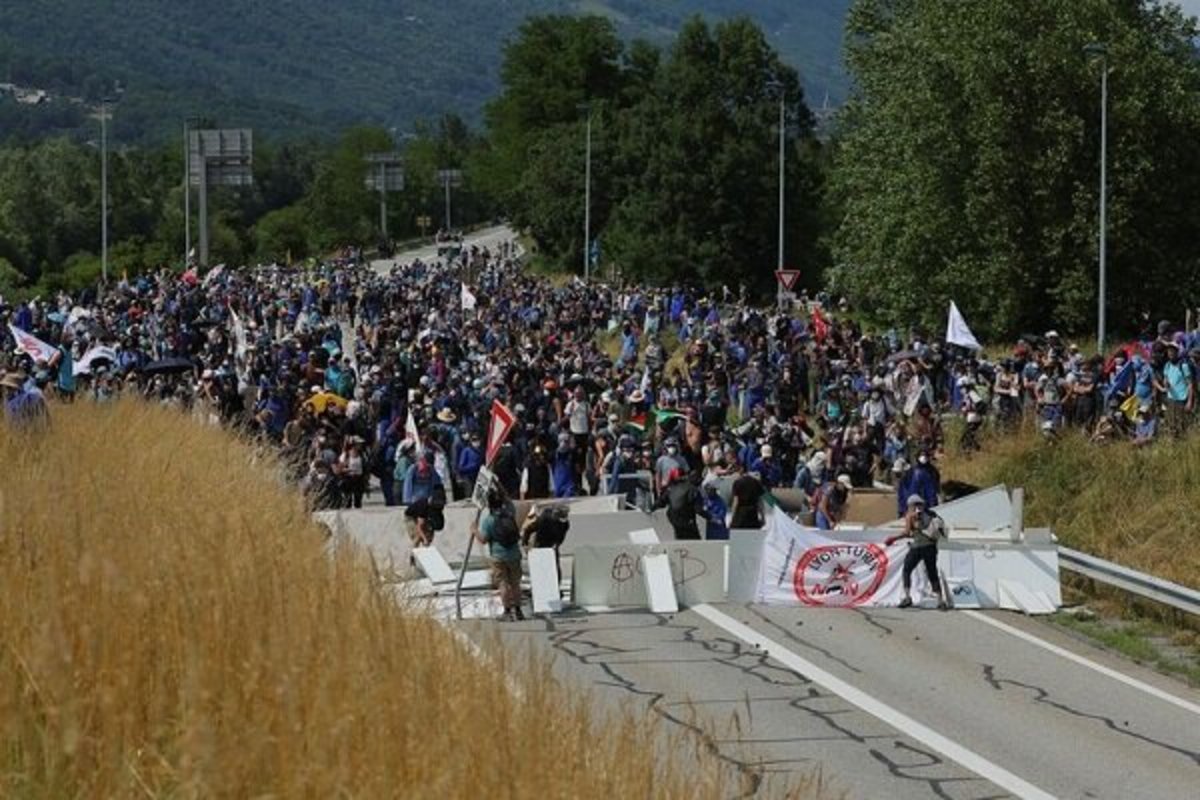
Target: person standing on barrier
{"points": [[498, 529], [547, 526], [924, 528], [683, 503]]}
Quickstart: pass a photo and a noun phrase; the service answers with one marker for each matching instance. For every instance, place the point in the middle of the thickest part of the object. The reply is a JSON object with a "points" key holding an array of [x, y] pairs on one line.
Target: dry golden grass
{"points": [[171, 625], [1129, 505]]}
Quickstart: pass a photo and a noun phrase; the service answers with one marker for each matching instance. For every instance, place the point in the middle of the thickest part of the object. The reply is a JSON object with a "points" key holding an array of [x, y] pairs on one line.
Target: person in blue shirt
{"points": [[1178, 391], [419, 481], [922, 480], [715, 511], [562, 469], [469, 461], [768, 469]]}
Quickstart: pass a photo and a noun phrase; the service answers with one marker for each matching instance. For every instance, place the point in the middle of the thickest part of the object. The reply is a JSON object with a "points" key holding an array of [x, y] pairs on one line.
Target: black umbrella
{"points": [[169, 366], [590, 385]]}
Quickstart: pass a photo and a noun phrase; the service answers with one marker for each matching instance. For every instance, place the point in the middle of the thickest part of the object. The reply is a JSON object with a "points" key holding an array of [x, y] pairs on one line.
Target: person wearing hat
{"points": [[831, 501], [1146, 426], [1177, 390], [547, 526], [924, 528], [23, 405]]}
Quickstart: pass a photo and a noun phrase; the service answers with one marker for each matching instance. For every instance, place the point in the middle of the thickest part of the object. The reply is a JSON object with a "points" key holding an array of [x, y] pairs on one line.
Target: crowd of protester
{"points": [[358, 373]]}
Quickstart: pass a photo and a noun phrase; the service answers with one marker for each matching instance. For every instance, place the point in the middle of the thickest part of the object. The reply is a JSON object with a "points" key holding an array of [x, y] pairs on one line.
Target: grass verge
{"points": [[172, 624], [1129, 505], [1170, 651]]}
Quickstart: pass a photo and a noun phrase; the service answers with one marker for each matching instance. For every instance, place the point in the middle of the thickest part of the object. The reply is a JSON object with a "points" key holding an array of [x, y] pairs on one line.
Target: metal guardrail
{"points": [[1147, 586]]}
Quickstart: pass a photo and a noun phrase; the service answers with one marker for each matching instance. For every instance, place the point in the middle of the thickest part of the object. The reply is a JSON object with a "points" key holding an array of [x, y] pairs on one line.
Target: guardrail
{"points": [[1147, 586]]}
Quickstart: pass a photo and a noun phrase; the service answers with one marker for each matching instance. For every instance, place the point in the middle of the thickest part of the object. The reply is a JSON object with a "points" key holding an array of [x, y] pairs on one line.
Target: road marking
{"points": [[876, 708], [1092, 665]]}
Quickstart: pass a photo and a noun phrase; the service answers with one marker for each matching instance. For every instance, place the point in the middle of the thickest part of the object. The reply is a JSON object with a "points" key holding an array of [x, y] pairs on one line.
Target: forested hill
{"points": [[307, 64]]}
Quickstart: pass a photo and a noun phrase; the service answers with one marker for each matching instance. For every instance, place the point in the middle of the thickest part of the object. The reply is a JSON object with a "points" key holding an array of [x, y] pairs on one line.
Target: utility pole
{"points": [[1101, 51], [104, 190], [187, 196], [782, 157], [587, 204]]}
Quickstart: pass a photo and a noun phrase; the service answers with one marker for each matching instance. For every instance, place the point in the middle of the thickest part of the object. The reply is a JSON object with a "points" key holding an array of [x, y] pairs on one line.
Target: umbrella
{"points": [[589, 385], [319, 401], [904, 355], [169, 366]]}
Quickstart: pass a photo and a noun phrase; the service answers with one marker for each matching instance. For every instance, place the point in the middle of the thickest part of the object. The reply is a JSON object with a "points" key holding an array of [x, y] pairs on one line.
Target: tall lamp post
{"points": [[776, 87], [104, 190], [586, 108], [1100, 51]]}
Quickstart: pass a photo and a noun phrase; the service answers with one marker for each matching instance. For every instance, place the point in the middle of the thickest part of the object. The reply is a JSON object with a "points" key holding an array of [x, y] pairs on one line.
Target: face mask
{"points": [[672, 450]]}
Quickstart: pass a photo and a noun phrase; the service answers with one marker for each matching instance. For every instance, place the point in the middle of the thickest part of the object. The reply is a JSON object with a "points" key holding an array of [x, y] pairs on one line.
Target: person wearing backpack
{"points": [[547, 526], [924, 528], [497, 528]]}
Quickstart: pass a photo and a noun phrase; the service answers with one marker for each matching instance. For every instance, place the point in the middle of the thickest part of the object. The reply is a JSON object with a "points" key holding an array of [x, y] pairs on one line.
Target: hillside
{"points": [[309, 64]]}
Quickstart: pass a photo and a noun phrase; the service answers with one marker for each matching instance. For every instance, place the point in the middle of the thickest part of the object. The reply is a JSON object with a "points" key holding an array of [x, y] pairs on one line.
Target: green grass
{"points": [[1130, 505], [1142, 641]]}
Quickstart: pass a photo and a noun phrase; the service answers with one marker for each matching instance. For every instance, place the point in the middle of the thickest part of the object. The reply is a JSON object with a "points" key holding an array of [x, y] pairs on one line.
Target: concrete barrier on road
{"points": [[610, 576]]}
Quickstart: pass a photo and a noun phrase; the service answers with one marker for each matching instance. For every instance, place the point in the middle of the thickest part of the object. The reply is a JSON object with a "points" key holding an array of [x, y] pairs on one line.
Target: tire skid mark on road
{"points": [[1043, 696], [585, 648]]}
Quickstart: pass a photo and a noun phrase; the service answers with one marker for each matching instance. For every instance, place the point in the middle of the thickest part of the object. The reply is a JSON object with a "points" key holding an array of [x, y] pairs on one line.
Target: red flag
{"points": [[820, 325]]}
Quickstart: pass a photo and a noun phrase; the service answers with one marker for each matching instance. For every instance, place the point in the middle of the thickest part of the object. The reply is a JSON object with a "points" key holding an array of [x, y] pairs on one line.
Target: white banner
{"points": [[805, 567], [32, 346]]}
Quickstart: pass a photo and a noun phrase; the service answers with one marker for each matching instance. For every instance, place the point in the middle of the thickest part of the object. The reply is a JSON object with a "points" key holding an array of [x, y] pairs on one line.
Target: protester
{"points": [[682, 500], [497, 528], [547, 526], [310, 358], [924, 528]]}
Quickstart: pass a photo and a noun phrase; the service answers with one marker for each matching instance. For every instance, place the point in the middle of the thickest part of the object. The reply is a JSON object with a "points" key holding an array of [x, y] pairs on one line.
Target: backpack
{"points": [[437, 506], [504, 530]]}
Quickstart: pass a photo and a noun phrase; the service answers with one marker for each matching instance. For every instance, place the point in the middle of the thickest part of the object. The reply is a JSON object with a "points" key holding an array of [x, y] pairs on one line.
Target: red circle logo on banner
{"points": [[840, 575]]}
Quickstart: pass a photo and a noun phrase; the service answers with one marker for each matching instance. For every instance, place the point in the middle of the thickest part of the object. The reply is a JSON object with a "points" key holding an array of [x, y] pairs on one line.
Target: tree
{"points": [[699, 165], [967, 162]]}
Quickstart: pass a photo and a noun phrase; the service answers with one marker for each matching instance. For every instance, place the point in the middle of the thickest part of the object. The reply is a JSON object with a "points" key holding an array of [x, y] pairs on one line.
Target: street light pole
{"points": [[1101, 51], [587, 204], [104, 190], [782, 156], [187, 195]]}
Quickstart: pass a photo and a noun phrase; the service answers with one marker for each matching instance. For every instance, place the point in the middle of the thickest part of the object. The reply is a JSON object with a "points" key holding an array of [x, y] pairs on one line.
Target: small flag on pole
{"points": [[957, 331], [468, 299]]}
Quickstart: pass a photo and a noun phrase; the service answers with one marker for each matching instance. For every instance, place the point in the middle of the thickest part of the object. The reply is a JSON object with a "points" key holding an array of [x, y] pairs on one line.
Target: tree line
{"points": [[963, 167]]}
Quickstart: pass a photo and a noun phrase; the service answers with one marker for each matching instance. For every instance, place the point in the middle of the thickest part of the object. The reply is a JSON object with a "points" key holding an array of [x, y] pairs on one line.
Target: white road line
{"points": [[1116, 675], [876, 708]]}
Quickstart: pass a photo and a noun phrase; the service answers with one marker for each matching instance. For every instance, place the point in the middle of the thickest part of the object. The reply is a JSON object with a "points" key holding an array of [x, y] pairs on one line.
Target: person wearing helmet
{"points": [[924, 528]]}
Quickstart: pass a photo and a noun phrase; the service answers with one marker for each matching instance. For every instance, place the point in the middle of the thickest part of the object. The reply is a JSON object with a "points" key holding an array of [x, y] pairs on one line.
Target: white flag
{"points": [[957, 331], [410, 429], [32, 346], [468, 299], [97, 353], [239, 334]]}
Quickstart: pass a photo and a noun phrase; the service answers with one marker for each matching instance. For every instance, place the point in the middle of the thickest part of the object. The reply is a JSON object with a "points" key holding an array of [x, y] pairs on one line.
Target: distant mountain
{"points": [[302, 65]]}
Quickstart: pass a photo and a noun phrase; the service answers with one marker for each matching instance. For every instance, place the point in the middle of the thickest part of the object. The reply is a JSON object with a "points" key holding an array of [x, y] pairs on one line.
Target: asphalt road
{"points": [[956, 708], [486, 237]]}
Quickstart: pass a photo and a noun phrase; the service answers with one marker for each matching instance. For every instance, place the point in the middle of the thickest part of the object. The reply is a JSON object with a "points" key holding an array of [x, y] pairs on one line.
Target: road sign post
{"points": [[500, 426], [787, 279], [218, 158], [386, 174]]}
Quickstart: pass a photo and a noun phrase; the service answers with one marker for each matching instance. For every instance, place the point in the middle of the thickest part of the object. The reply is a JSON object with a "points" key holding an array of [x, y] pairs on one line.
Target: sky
{"points": [[1191, 6]]}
